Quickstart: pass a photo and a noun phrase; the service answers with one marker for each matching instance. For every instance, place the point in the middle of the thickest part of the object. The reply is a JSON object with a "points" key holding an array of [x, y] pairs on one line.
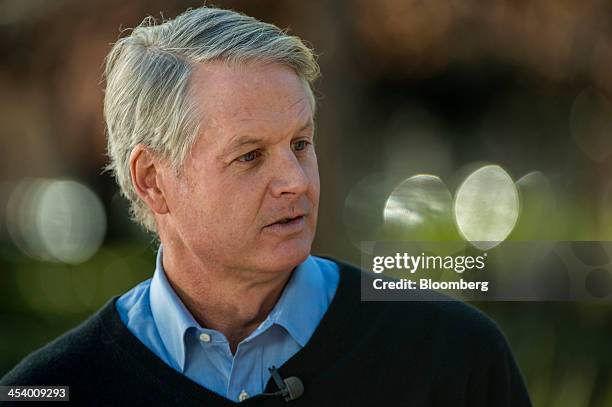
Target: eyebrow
{"points": [[242, 140]]}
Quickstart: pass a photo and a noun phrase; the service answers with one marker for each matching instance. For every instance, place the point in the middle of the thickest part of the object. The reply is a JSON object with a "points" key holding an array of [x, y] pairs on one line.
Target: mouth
{"points": [[287, 225], [285, 221]]}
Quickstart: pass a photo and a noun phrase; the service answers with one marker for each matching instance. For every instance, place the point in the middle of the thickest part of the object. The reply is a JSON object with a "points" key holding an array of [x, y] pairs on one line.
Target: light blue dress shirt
{"points": [[154, 313]]}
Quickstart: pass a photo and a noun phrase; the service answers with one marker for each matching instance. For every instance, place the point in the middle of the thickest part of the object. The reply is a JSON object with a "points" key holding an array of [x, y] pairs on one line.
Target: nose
{"points": [[289, 178]]}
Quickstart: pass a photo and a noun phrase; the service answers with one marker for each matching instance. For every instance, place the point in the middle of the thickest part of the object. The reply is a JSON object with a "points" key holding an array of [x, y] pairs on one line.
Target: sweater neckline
{"points": [[334, 336]]}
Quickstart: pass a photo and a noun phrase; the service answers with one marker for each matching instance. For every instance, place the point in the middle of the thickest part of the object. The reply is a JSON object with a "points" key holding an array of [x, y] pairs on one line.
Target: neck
{"points": [[233, 302]]}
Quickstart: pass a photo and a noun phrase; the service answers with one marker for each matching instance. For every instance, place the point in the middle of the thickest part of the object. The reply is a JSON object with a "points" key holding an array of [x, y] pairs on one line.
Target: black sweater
{"points": [[428, 353]]}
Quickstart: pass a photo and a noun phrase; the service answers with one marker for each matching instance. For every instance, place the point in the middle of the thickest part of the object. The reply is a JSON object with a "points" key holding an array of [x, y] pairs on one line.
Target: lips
{"points": [[287, 219], [287, 226]]}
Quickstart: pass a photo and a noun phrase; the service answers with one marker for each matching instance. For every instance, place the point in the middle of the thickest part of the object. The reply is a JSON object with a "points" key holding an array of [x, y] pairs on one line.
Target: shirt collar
{"points": [[171, 316], [298, 310], [302, 303]]}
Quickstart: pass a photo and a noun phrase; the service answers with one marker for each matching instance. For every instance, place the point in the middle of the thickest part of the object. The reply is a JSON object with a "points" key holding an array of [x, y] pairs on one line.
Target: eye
{"points": [[300, 145], [250, 156]]}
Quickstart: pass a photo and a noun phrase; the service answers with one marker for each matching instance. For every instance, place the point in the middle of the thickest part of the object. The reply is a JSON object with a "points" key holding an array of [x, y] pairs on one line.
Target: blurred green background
{"points": [[409, 87]]}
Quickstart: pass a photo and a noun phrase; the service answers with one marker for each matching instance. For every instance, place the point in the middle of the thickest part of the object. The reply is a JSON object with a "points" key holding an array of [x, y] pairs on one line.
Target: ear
{"points": [[145, 171]]}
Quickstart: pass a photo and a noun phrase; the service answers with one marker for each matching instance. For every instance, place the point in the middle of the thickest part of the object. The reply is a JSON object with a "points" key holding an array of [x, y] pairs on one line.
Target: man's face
{"points": [[248, 194]]}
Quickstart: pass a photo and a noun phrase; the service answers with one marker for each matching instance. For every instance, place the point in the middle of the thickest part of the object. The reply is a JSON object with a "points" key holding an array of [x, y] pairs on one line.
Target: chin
{"points": [[288, 255]]}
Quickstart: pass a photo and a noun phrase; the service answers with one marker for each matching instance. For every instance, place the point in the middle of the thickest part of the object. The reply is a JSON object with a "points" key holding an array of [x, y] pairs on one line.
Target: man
{"points": [[211, 138]]}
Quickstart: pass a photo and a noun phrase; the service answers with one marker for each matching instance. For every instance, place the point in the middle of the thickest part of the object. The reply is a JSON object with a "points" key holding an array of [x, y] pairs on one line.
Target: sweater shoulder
{"points": [[68, 354], [464, 322]]}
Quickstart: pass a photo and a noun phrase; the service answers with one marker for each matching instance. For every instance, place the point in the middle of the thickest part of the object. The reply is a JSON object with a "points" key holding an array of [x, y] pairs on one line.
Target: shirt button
{"points": [[243, 396], [204, 337]]}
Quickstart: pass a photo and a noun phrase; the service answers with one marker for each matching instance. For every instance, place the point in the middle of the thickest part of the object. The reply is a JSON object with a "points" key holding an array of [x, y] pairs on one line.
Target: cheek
{"points": [[198, 200], [241, 199], [312, 172]]}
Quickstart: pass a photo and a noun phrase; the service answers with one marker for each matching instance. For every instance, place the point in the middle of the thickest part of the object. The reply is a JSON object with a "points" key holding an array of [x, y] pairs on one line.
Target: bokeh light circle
{"points": [[487, 207], [60, 220]]}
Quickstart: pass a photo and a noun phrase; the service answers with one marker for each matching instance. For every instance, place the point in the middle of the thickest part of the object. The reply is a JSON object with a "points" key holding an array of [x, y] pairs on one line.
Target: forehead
{"points": [[249, 97]]}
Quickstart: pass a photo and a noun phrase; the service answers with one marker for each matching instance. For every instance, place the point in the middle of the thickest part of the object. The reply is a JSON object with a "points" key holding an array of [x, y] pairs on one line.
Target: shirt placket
{"points": [[245, 377]]}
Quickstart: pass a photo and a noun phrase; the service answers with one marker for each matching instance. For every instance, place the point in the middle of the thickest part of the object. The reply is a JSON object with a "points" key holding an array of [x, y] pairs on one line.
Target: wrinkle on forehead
{"points": [[302, 112], [243, 88], [271, 129], [253, 100]]}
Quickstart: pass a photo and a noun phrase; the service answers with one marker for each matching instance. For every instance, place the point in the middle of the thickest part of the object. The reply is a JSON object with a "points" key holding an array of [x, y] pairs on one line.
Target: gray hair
{"points": [[147, 75]]}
